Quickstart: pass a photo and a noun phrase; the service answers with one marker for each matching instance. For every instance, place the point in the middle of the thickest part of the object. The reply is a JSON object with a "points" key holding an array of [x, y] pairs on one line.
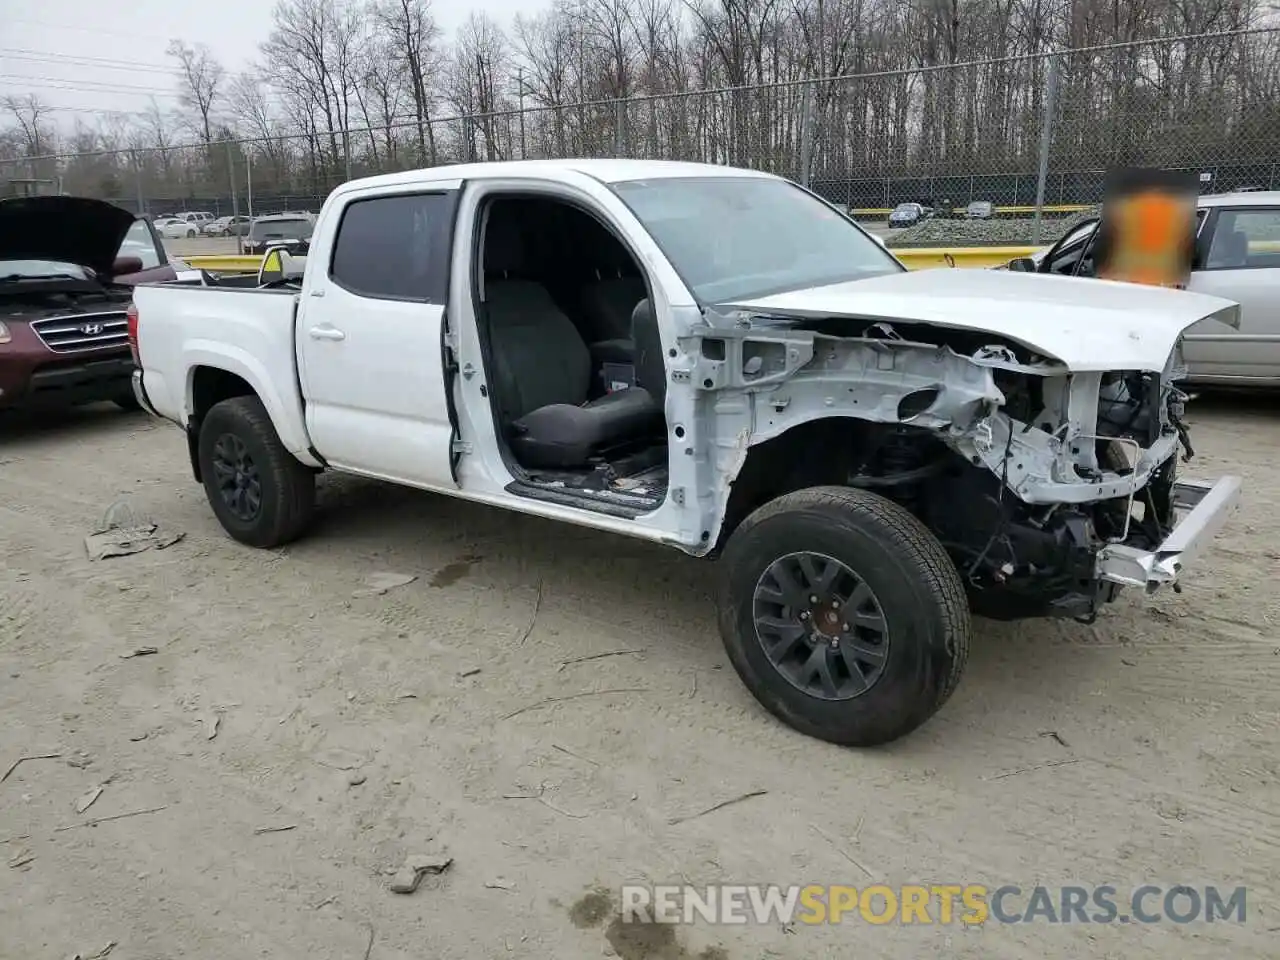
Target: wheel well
{"points": [[818, 453], [209, 386]]}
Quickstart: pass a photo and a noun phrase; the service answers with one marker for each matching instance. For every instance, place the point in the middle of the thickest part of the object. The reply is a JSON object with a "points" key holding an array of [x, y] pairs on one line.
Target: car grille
{"points": [[85, 331]]}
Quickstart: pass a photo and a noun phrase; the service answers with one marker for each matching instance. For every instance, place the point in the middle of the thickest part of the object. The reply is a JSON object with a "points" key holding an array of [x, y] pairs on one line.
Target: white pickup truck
{"points": [[717, 360]]}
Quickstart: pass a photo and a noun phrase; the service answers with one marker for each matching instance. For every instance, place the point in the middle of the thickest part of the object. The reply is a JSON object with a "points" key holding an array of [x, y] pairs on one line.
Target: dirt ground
{"points": [[1142, 749]]}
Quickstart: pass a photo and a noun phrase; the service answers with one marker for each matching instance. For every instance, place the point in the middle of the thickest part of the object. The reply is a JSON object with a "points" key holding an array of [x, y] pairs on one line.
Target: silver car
{"points": [[1238, 258]]}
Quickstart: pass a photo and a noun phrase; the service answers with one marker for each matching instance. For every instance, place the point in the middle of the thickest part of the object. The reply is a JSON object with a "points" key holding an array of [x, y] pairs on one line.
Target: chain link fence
{"points": [[1018, 132]]}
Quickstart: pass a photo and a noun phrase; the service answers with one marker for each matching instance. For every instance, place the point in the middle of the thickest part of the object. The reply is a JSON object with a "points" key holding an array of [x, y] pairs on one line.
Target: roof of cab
{"points": [[608, 171]]}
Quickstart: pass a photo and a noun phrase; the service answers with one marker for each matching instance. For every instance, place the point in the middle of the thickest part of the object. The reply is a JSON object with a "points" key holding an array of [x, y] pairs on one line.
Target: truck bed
{"points": [[249, 333]]}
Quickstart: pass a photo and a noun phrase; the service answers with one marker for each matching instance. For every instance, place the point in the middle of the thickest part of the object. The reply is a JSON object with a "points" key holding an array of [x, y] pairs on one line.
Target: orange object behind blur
{"points": [[1147, 233]]}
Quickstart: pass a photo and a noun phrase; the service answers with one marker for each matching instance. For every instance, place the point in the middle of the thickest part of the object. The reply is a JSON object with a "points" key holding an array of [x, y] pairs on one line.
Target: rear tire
{"points": [[259, 492], [885, 642], [127, 401]]}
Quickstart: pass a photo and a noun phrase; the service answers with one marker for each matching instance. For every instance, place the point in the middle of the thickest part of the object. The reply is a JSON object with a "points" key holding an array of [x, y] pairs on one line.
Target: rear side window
{"points": [[395, 248], [1245, 239]]}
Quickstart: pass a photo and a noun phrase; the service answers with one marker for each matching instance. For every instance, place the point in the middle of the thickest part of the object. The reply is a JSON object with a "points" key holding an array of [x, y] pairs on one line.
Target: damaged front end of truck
{"points": [[1051, 481]]}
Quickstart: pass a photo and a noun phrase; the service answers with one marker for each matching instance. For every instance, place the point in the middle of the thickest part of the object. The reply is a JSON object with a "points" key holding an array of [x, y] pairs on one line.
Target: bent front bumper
{"points": [[1201, 509]]}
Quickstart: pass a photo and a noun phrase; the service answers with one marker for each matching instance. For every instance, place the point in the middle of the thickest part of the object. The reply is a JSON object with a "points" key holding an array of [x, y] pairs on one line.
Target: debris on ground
{"points": [[415, 868], [469, 673], [35, 756], [356, 778], [377, 584], [139, 652], [259, 831], [499, 884], [122, 532], [21, 859], [717, 806], [210, 725], [86, 801], [96, 955], [337, 758]]}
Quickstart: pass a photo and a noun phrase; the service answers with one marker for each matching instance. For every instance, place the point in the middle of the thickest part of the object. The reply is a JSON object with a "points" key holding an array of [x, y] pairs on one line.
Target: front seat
{"points": [[541, 369], [1232, 251]]}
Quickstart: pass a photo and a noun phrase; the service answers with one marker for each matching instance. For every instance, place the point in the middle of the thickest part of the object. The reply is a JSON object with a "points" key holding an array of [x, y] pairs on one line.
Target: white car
{"points": [[175, 229], [728, 366], [1237, 257]]}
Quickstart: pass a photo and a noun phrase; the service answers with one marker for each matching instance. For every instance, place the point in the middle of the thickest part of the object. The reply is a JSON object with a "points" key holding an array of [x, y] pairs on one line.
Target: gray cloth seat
{"points": [[607, 303], [542, 367]]}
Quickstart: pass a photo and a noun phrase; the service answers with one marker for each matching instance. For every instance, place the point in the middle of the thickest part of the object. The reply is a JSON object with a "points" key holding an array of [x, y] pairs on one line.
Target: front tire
{"points": [[843, 615], [259, 492]]}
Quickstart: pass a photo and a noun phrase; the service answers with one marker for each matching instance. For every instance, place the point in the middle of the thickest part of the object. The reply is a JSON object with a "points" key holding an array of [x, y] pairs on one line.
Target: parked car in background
{"points": [[1237, 257], [175, 229], [67, 268], [980, 210], [907, 214], [290, 231], [198, 217], [227, 227]]}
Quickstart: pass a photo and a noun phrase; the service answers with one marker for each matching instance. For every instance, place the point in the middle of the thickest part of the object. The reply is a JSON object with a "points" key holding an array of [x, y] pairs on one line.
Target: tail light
{"points": [[132, 315]]}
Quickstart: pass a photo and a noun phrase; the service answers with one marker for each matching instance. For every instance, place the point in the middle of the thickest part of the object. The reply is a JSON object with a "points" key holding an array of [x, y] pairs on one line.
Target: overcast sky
{"points": [[85, 56]]}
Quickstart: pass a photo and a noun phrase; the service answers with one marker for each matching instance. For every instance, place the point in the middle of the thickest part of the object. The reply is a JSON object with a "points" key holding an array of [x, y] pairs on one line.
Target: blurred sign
{"points": [[1147, 231]]}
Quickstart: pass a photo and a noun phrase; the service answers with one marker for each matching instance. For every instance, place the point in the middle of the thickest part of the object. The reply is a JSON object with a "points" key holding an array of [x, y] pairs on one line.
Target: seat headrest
{"points": [[1232, 250], [504, 251]]}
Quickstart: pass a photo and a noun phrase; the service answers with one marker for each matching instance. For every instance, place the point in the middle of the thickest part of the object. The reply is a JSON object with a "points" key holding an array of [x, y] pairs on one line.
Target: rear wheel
{"points": [[127, 401], [190, 234], [259, 492], [843, 615]]}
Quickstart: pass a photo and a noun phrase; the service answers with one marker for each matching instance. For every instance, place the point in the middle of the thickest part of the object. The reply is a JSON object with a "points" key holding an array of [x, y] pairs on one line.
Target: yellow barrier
{"points": [[924, 258], [229, 264], [915, 258], [1057, 208]]}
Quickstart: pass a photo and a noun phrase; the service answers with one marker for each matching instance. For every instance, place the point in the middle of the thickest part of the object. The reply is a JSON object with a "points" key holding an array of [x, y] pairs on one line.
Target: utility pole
{"points": [[520, 99]]}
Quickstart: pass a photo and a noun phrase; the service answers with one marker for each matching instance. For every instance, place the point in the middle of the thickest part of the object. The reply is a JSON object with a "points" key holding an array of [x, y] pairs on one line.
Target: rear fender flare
{"points": [[285, 411]]}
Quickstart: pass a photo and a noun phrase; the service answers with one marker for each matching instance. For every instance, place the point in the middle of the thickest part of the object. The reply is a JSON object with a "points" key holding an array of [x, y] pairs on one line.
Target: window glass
{"points": [[735, 238], [395, 248], [138, 242], [1244, 239]]}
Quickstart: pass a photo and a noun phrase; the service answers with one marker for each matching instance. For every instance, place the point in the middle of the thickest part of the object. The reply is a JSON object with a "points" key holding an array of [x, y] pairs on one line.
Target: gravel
{"points": [[983, 233]]}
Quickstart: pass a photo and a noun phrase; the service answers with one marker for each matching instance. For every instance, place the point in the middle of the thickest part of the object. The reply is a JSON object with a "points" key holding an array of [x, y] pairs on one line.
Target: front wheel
{"points": [[191, 234], [843, 615], [259, 492]]}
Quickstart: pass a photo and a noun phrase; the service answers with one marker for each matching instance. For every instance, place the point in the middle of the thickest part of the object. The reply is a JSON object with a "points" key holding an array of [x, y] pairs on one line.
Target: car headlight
{"points": [[4, 334]]}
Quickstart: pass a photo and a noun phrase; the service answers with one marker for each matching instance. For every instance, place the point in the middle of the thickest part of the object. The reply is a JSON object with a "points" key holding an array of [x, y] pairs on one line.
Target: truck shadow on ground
{"points": [[669, 597], [71, 424]]}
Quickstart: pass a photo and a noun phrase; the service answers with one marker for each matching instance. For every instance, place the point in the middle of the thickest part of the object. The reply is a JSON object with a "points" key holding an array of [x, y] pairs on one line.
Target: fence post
{"points": [[806, 134], [619, 127], [235, 197], [137, 178], [1046, 139]]}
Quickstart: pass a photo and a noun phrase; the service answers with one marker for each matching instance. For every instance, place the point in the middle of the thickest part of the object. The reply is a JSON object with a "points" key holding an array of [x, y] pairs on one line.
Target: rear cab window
{"points": [[395, 248]]}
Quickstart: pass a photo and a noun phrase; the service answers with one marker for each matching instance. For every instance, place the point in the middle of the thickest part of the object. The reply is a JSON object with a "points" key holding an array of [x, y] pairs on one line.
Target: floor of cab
{"points": [[626, 485]]}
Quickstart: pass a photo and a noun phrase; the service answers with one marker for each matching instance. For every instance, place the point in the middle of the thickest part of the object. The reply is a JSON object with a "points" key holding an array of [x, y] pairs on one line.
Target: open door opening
{"points": [[573, 360]]}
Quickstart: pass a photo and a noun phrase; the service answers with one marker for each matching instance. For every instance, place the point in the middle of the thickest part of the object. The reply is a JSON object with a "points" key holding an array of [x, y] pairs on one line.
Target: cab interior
{"points": [[574, 365]]}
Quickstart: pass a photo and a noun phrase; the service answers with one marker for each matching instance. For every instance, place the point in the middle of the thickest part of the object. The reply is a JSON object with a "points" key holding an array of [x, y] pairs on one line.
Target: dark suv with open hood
{"points": [[67, 268]]}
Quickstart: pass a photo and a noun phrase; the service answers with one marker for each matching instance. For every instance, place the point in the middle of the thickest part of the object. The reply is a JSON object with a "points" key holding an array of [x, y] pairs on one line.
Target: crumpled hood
{"points": [[1094, 325], [67, 229]]}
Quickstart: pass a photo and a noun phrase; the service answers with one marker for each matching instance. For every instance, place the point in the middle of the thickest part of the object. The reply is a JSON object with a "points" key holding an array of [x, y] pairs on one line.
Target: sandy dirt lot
{"points": [[1142, 749]]}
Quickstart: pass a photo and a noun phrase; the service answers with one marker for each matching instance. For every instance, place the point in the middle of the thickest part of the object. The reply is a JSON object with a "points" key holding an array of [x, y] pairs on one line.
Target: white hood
{"points": [[1087, 324]]}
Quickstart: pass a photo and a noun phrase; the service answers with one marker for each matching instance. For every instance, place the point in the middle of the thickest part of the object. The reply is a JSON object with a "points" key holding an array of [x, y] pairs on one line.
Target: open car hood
{"points": [[66, 229], [1089, 325]]}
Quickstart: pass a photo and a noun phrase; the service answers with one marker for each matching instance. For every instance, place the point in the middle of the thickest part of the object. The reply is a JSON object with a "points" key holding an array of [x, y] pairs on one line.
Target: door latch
{"points": [[468, 371]]}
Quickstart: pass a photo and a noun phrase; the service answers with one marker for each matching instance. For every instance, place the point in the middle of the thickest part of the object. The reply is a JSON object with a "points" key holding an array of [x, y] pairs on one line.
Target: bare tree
{"points": [[412, 43], [200, 82]]}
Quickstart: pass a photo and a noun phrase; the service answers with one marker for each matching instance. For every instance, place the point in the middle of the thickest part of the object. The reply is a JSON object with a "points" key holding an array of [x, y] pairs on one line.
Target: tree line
{"points": [[900, 88]]}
